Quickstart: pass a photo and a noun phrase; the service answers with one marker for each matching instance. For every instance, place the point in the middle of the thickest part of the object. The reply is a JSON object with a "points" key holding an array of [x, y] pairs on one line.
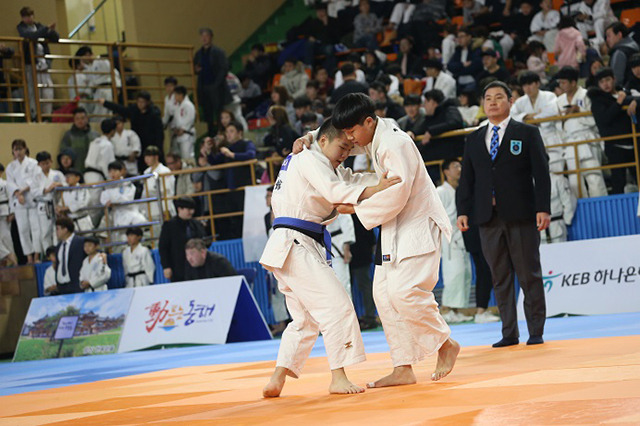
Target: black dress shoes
{"points": [[535, 340], [505, 342]]}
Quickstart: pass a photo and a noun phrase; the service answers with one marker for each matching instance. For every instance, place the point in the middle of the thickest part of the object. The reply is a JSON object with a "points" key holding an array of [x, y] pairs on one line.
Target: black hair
{"points": [[433, 63], [500, 85], [170, 80], [108, 125], [1, 167], [73, 172], [83, 50], [618, 27], [91, 239], [412, 100], [566, 22], [315, 83], [528, 77], [302, 101], [308, 117], [116, 165], [43, 156], [291, 60], [604, 72], [144, 95], [534, 45], [206, 30], [353, 109], [79, 110], [180, 90], [49, 251], [384, 79], [434, 95], [119, 118], [347, 69], [329, 130], [151, 150], [378, 86], [65, 222], [471, 95], [634, 61], [393, 69], [568, 73], [134, 230], [236, 125], [379, 105], [447, 163], [258, 46], [270, 188]]}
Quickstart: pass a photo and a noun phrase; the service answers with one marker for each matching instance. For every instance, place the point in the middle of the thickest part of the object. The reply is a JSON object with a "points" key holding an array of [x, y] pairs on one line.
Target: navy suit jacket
{"points": [[75, 255]]}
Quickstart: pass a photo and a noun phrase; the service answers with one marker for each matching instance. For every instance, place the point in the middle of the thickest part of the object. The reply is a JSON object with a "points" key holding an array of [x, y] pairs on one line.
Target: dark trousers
{"points": [[483, 280], [363, 279], [208, 99], [514, 247], [617, 155]]}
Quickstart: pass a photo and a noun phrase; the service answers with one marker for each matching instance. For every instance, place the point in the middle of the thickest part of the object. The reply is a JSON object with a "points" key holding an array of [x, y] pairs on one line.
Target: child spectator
{"points": [[74, 201], [66, 160], [570, 49], [183, 130], [137, 261], [7, 256], [45, 181], [94, 273], [302, 105], [126, 146], [49, 283]]}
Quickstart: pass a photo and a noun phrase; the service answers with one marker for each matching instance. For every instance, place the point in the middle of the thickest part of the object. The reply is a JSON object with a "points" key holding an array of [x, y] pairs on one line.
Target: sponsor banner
{"points": [[73, 325], [187, 312], [591, 277], [254, 230]]}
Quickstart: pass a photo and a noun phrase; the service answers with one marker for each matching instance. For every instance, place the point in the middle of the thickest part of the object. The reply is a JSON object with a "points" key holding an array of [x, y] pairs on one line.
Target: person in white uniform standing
{"points": [[563, 207], [20, 174], [74, 201], [154, 185], [7, 255], [298, 253], [412, 220], [456, 265], [342, 236], [137, 261], [126, 146], [183, 124], [45, 181], [99, 156], [94, 273]]}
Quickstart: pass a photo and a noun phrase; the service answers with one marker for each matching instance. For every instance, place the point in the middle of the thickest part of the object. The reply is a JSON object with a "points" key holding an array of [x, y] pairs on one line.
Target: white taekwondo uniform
{"points": [[6, 243], [21, 175], [45, 205], [307, 187], [563, 207], [76, 200], [169, 110], [342, 232], [412, 219], [581, 129], [152, 184], [96, 272], [456, 265], [125, 144], [545, 106], [184, 118], [138, 266]]}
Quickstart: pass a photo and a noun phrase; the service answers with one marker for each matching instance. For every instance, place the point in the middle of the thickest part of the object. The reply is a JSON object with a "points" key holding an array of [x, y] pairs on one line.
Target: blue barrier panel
{"points": [[601, 217]]}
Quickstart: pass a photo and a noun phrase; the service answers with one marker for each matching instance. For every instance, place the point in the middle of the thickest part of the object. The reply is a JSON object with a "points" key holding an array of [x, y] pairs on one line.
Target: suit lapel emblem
{"points": [[516, 147]]}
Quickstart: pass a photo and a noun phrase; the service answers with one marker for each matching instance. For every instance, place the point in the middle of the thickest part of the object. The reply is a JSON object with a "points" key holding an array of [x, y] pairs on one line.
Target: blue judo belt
{"points": [[314, 230]]}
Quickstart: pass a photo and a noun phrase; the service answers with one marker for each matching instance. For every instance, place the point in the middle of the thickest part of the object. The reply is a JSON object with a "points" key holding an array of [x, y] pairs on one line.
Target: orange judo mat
{"points": [[586, 381]]}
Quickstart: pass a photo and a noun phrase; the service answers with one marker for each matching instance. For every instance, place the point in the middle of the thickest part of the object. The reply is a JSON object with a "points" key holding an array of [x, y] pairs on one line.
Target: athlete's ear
{"points": [[323, 141]]}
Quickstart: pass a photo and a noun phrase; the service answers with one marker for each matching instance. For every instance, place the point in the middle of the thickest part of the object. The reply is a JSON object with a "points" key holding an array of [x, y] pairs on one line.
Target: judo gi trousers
{"points": [[456, 275], [343, 273], [403, 292], [29, 228], [317, 302]]}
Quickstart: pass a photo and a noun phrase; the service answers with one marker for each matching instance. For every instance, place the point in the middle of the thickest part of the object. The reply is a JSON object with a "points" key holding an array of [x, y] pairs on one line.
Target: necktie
{"points": [[495, 139], [64, 258]]}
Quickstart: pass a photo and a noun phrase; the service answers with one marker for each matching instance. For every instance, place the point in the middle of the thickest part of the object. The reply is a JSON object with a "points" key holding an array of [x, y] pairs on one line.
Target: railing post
{"points": [[578, 169], [34, 80], [211, 219], [114, 86], [194, 84], [123, 76], [25, 87]]}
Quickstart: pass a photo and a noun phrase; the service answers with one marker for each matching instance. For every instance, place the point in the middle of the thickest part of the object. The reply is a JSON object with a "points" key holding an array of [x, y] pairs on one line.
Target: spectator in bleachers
{"points": [[20, 176], [280, 97], [414, 118], [474, 12], [538, 60], [575, 100], [250, 93], [466, 62], [594, 67], [366, 26], [321, 33], [137, 262], [183, 124], [410, 63], [80, 84], [401, 14], [612, 120], [169, 112], [544, 26], [441, 115], [312, 89], [259, 66], [372, 67], [49, 281], [350, 85], [118, 198], [183, 184], [563, 207], [517, 27], [538, 103], [202, 263], [94, 273], [154, 185], [468, 108], [126, 146], [280, 135], [210, 63], [29, 29], [309, 121], [448, 44], [438, 79], [294, 78], [100, 155], [99, 74], [75, 201], [70, 255], [7, 254], [145, 121], [491, 67], [174, 236], [633, 84], [570, 49], [378, 93], [594, 15], [78, 138], [302, 105], [326, 83], [44, 183], [621, 47], [456, 267]]}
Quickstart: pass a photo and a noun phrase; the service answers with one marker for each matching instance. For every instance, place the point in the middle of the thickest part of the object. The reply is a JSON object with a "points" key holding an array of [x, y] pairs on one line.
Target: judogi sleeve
{"points": [[84, 271], [568, 200], [101, 276], [148, 266], [398, 160], [136, 146], [327, 183], [350, 177], [518, 111]]}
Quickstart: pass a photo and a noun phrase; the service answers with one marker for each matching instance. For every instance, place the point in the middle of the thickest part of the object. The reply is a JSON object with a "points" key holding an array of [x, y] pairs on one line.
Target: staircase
{"points": [[273, 30]]}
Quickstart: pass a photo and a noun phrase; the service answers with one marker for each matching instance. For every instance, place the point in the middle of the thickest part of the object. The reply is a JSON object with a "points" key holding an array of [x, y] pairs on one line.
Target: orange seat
{"points": [[276, 79], [392, 57], [551, 57], [630, 16], [458, 21], [557, 4], [413, 86]]}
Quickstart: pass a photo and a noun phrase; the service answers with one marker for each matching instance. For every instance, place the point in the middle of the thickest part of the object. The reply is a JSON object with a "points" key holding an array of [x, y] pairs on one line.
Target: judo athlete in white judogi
{"points": [[94, 273], [563, 207], [126, 146], [183, 124], [412, 220], [456, 265], [101, 78], [342, 236], [99, 156], [7, 255], [574, 100], [154, 186], [593, 15], [74, 201], [306, 189], [45, 181], [49, 283], [20, 175], [535, 104], [137, 261]]}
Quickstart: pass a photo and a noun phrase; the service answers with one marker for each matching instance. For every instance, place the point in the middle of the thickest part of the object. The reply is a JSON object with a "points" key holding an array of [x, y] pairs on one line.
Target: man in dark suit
{"points": [[69, 256], [202, 264], [505, 182]]}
